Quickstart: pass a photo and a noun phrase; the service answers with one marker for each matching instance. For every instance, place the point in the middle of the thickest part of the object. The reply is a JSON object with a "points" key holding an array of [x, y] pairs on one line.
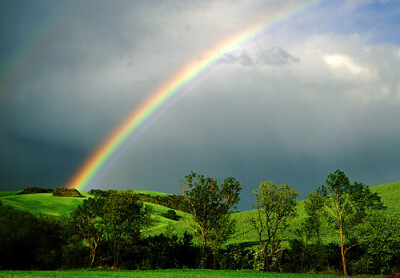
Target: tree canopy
{"points": [[347, 205], [209, 202]]}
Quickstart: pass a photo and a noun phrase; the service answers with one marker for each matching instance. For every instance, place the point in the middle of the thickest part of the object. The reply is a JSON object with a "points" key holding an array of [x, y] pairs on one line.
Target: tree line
{"points": [[345, 230]]}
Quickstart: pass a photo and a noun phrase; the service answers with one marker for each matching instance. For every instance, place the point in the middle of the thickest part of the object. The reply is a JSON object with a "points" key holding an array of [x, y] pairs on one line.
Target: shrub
{"points": [[66, 192], [29, 242], [171, 214], [34, 190], [100, 193]]}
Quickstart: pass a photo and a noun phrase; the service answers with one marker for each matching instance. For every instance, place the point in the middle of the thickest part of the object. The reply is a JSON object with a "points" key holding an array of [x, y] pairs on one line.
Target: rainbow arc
{"points": [[175, 87]]}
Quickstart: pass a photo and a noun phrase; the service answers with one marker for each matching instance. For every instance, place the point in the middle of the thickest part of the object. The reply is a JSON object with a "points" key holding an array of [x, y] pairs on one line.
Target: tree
{"points": [[347, 206], [275, 205], [380, 236], [313, 206], [223, 229], [124, 217], [88, 222], [208, 203]]}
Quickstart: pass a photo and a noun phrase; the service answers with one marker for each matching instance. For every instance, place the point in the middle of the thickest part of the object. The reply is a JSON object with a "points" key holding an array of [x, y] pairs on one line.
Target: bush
{"points": [[34, 190], [29, 242], [100, 193], [171, 214], [67, 192]]}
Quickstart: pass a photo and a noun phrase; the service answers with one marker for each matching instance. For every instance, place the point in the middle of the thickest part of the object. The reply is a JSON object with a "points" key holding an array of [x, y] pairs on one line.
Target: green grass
{"points": [[162, 273], [8, 193], [151, 193], [43, 203], [390, 193]]}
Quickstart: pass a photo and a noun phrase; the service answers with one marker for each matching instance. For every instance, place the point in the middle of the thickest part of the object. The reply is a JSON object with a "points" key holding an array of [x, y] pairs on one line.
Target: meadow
{"points": [[170, 273]]}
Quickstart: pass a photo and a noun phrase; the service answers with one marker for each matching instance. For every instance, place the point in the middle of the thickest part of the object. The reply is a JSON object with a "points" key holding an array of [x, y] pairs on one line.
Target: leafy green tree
{"points": [[208, 203], [124, 217], [88, 222], [275, 205], [313, 206], [347, 206], [224, 228], [380, 236]]}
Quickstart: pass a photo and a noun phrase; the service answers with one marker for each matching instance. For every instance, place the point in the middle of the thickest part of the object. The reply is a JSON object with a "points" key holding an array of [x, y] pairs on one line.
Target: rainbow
{"points": [[172, 89]]}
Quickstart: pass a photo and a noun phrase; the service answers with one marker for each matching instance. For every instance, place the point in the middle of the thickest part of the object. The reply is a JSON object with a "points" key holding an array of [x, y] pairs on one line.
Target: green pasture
{"points": [[390, 193], [163, 273], [151, 193], [43, 203]]}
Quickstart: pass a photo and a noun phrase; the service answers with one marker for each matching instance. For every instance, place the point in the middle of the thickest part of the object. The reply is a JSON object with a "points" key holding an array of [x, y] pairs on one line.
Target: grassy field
{"points": [[390, 193], [162, 273], [42, 203]]}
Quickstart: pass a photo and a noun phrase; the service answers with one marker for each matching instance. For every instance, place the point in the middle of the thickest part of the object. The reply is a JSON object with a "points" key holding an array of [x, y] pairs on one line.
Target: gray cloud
{"points": [[276, 56], [300, 101]]}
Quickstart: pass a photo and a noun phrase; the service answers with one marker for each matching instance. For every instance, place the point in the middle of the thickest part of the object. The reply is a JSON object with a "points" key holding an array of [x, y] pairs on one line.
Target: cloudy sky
{"points": [[318, 92]]}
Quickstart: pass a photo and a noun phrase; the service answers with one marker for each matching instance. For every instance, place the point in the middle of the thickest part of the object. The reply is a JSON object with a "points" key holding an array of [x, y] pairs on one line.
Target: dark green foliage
{"points": [[235, 256], [100, 193], [171, 214], [66, 192], [114, 221], [124, 216], [75, 254], [162, 252], [379, 244], [29, 242], [209, 203], [87, 221], [302, 258], [34, 190]]}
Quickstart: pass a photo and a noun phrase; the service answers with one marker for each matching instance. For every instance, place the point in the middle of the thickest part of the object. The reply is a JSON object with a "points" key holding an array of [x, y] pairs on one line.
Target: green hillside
{"points": [[390, 194], [49, 205]]}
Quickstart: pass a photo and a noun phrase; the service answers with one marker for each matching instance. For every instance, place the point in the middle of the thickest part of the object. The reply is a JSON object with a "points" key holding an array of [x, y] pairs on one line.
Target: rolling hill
{"points": [[48, 205]]}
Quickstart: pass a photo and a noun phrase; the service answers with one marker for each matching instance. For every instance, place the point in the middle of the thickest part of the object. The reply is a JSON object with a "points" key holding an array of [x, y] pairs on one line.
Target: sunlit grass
{"points": [[171, 273], [43, 203]]}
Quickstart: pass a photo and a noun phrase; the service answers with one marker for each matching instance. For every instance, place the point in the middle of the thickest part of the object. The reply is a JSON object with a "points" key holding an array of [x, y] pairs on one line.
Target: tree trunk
{"points": [[203, 255], [93, 255], [342, 252], [116, 253], [265, 259], [214, 260], [304, 254]]}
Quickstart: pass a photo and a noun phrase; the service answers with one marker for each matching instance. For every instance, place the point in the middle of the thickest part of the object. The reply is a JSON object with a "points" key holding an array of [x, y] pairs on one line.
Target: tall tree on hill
{"points": [[209, 202], [275, 205], [124, 216], [347, 206], [88, 222]]}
